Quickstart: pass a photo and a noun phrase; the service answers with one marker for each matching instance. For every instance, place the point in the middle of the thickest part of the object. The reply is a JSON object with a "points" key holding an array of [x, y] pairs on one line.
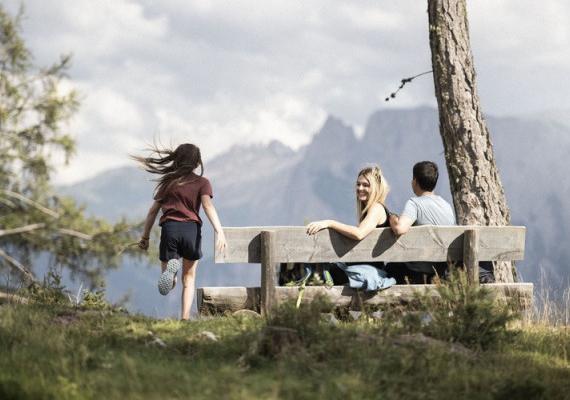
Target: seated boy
{"points": [[426, 208]]}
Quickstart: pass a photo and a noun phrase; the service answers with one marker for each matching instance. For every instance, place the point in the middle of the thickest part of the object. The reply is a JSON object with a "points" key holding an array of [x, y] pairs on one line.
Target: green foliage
{"points": [[35, 107], [51, 292], [95, 300], [462, 313]]}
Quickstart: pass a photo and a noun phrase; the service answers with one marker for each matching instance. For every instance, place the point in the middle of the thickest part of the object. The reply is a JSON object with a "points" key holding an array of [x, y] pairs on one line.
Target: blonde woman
{"points": [[371, 192]]}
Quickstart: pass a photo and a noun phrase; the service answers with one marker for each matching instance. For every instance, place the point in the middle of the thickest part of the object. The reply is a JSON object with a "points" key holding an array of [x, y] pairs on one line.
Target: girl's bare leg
{"points": [[188, 281]]}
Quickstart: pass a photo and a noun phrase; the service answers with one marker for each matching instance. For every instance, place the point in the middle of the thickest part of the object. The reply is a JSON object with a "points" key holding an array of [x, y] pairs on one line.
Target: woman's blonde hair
{"points": [[379, 189]]}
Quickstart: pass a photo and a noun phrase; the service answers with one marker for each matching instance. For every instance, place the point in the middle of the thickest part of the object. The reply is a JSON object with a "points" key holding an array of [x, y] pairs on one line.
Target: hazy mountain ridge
{"points": [[274, 185]]}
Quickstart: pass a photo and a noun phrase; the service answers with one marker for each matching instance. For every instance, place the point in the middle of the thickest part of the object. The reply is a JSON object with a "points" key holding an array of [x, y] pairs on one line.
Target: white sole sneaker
{"points": [[166, 280]]}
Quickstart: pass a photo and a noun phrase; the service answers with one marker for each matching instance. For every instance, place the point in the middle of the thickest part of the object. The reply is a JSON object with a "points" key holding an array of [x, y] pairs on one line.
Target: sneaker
{"points": [[166, 280]]}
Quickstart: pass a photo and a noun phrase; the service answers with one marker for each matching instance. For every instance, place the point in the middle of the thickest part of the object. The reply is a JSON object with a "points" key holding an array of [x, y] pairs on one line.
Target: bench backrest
{"points": [[423, 243]]}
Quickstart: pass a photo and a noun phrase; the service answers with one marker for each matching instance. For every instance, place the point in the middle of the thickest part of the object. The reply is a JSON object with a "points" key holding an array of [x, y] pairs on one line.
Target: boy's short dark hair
{"points": [[426, 174]]}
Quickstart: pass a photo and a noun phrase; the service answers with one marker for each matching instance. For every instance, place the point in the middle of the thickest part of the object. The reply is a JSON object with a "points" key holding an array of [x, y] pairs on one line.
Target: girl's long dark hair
{"points": [[173, 165]]}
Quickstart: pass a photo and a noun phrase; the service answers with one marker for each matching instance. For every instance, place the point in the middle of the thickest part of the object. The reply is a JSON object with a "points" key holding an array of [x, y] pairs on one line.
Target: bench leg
{"points": [[268, 294], [471, 255]]}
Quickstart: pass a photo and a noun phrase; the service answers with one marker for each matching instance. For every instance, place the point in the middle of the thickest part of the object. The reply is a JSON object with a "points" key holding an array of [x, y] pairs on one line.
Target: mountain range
{"points": [[275, 185]]}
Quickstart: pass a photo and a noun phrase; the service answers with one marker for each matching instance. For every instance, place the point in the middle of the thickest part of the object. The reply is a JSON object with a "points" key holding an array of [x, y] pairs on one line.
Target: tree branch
{"points": [[71, 232], [32, 203], [19, 266], [22, 229], [33, 227], [403, 83]]}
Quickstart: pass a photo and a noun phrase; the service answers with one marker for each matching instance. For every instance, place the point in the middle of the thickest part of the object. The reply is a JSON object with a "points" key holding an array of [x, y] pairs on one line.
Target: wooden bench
{"points": [[272, 245]]}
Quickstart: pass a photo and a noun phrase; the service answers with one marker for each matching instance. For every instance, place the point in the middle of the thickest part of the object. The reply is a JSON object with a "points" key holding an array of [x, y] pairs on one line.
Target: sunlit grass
{"points": [[65, 351]]}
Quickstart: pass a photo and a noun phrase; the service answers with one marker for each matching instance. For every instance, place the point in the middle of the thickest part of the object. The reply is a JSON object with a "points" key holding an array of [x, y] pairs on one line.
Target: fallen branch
{"points": [[12, 298]]}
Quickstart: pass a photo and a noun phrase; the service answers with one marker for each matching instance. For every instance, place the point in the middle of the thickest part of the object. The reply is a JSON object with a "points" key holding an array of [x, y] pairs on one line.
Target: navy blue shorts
{"points": [[180, 239]]}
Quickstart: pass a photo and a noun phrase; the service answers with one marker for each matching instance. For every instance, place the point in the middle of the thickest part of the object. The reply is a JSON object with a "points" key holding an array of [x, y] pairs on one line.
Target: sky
{"points": [[225, 73]]}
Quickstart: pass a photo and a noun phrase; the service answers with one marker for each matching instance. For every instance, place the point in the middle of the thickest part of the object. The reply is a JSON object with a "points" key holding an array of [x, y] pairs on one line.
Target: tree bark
{"points": [[478, 194]]}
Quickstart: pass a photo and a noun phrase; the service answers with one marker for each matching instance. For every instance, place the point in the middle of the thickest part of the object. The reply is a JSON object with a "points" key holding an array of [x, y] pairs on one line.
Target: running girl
{"points": [[179, 194]]}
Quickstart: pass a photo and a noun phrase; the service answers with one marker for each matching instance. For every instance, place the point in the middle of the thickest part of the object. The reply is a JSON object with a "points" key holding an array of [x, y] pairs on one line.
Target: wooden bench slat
{"points": [[423, 243], [221, 299]]}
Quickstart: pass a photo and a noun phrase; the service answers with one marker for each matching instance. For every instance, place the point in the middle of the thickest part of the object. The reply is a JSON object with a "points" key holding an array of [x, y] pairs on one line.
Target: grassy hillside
{"points": [[471, 349]]}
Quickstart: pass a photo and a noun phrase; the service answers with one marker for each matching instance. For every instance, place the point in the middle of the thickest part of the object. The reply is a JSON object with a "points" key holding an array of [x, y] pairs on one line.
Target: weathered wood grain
{"points": [[471, 255], [423, 243], [268, 268], [212, 300], [220, 299]]}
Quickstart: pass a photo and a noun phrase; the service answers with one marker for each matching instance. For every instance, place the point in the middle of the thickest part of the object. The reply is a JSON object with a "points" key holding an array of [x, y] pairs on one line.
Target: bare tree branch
{"points": [[19, 266], [403, 83], [71, 232], [22, 229], [6, 201], [32, 203], [33, 227]]}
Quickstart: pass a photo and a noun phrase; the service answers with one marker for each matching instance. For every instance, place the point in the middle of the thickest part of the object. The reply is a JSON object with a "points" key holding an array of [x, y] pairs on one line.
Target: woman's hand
{"points": [[316, 226], [143, 243], [221, 243]]}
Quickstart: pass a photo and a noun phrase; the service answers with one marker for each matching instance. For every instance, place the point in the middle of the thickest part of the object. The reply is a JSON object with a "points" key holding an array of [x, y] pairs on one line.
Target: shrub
{"points": [[53, 292], [463, 313], [50, 292]]}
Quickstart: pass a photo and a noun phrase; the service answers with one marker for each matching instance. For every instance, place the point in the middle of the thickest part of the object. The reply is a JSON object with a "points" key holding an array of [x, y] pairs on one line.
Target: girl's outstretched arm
{"points": [[376, 215], [148, 223], [210, 211]]}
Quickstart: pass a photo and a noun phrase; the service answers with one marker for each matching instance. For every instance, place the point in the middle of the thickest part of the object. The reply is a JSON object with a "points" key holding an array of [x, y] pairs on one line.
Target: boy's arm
{"points": [[400, 225], [212, 215], [148, 223]]}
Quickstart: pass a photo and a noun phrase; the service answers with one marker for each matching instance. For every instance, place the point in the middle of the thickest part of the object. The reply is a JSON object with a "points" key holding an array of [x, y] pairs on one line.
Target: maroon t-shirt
{"points": [[181, 202]]}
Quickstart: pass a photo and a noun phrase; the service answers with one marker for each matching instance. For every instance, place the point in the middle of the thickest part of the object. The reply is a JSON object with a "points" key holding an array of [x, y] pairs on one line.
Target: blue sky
{"points": [[219, 73]]}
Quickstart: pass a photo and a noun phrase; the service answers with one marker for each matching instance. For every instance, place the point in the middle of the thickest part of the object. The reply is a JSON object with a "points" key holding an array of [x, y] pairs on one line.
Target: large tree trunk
{"points": [[478, 194]]}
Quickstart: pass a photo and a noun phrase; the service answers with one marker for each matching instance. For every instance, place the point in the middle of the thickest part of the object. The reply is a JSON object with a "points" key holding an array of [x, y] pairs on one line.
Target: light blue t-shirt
{"points": [[428, 209]]}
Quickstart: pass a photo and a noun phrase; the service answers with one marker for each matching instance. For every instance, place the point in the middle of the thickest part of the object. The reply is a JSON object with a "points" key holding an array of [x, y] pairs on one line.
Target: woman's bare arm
{"points": [[375, 216]]}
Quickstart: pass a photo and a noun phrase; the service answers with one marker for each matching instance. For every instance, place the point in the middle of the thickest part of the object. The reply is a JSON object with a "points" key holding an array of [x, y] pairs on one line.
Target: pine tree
{"points": [[34, 221]]}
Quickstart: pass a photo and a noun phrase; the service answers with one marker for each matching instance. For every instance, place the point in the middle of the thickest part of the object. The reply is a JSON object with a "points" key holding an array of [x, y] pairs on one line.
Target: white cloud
{"points": [[222, 73], [218, 126]]}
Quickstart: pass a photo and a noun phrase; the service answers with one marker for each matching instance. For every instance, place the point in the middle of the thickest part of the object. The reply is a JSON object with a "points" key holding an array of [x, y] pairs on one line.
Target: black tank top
{"points": [[386, 223]]}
